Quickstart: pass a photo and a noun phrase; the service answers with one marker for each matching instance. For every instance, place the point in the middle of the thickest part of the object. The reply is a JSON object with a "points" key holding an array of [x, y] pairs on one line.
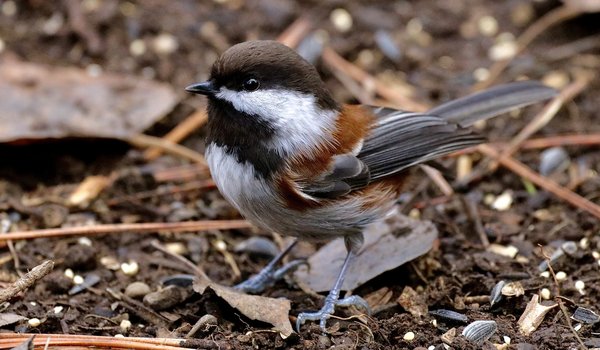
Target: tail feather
{"points": [[483, 105]]}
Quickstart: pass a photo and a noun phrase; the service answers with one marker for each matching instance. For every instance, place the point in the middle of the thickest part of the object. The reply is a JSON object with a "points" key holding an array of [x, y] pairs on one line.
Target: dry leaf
{"points": [[40, 102], [388, 244], [255, 307], [412, 302], [533, 316], [10, 318]]}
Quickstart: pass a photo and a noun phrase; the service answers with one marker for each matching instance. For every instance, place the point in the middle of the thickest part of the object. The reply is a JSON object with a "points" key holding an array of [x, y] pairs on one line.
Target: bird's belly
{"points": [[258, 201]]}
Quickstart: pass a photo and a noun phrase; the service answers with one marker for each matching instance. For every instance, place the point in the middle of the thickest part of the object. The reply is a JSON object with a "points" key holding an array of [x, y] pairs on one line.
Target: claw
{"points": [[267, 277], [328, 309]]}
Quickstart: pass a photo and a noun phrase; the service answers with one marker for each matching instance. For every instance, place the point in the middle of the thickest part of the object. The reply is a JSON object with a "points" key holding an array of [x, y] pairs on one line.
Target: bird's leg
{"points": [[333, 299], [269, 274]]}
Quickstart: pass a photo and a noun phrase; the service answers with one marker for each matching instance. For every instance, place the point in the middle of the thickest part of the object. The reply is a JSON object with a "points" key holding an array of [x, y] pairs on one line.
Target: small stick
{"points": [[474, 216], [545, 116], [141, 140], [437, 178], [558, 15], [179, 132], [190, 265], [337, 62], [26, 281], [150, 227], [547, 184]]}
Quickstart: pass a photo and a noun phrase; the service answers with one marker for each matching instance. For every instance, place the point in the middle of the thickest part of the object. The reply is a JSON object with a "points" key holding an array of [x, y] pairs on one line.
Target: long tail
{"points": [[492, 102]]}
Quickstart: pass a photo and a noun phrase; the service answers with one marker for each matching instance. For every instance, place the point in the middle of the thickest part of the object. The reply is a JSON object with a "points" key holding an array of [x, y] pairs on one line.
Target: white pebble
{"points": [[58, 309], [165, 43], [137, 47], [577, 327], [503, 201], [34, 322], [561, 276], [85, 241], [32, 303], [580, 286], [341, 19], [110, 263], [584, 243], [125, 325], [409, 336], [69, 273], [481, 74], [131, 268], [545, 293], [119, 335], [506, 339], [545, 274], [77, 279], [488, 25], [596, 255], [176, 248], [9, 8], [503, 50]]}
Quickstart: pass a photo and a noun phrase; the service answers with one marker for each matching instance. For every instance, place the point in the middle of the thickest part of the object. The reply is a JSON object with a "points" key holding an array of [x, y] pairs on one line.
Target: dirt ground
{"points": [[438, 49]]}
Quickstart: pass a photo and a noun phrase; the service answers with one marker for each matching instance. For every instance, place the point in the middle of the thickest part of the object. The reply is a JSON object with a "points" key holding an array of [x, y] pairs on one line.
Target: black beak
{"points": [[205, 88]]}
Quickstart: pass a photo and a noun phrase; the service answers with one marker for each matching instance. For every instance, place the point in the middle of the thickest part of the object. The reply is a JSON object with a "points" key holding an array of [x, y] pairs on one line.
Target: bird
{"points": [[293, 160]]}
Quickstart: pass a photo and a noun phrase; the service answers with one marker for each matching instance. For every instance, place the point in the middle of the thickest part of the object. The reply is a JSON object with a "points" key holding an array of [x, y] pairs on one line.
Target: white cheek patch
{"points": [[300, 123]]}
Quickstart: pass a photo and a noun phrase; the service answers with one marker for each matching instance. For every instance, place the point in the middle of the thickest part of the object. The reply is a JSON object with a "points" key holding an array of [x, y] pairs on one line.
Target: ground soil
{"points": [[439, 66]]}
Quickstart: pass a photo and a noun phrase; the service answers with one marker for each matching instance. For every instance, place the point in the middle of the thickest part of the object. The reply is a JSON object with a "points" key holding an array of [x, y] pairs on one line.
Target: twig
{"points": [[188, 226], [139, 308], [558, 15], [337, 62], [559, 299], [547, 184], [190, 265], [545, 116], [437, 178], [179, 132], [295, 32], [141, 140], [26, 281], [474, 216]]}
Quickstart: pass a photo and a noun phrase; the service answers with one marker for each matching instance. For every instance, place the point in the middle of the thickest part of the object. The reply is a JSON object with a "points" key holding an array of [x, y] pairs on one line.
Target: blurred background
{"points": [[82, 82]]}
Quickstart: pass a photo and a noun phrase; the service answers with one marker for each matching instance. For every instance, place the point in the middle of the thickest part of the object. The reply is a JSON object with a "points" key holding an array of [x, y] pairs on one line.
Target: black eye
{"points": [[251, 84]]}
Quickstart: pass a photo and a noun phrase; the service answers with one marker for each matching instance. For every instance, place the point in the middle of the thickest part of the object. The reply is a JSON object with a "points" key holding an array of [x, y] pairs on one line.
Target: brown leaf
{"points": [[388, 244], [269, 310], [41, 102]]}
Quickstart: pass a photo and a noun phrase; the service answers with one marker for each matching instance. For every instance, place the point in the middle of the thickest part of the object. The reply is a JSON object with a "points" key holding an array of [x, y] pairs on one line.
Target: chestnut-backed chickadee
{"points": [[293, 160]]}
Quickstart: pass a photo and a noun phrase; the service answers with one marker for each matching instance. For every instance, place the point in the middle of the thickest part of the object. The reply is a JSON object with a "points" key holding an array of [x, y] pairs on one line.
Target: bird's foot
{"points": [[328, 309], [267, 277]]}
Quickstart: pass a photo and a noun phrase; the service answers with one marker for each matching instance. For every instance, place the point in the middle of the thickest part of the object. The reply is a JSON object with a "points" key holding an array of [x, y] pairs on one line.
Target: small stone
{"points": [[503, 202], [131, 268], [85, 241], [488, 26], [508, 251], [125, 325], [69, 273], [409, 336], [561, 276], [556, 79], [545, 274], [481, 74], [545, 293], [77, 279], [506, 339], [165, 43], [137, 47], [580, 286], [34, 322], [58, 309], [324, 341], [110, 263], [341, 19], [137, 290], [503, 50], [177, 248], [118, 335], [165, 298], [584, 243], [9, 8]]}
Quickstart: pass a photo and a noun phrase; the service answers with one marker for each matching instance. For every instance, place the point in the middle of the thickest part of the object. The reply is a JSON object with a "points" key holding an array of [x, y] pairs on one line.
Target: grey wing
{"points": [[400, 140]]}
